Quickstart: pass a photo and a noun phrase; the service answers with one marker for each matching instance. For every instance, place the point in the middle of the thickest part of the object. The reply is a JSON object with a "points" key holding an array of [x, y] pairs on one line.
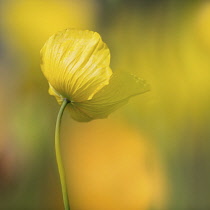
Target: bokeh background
{"points": [[153, 153]]}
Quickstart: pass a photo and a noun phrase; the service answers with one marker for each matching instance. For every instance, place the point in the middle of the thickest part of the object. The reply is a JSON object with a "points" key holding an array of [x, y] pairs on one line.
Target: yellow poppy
{"points": [[76, 65]]}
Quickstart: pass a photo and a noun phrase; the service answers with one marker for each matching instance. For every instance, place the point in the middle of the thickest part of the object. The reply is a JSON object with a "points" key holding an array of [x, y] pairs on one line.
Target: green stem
{"points": [[58, 155]]}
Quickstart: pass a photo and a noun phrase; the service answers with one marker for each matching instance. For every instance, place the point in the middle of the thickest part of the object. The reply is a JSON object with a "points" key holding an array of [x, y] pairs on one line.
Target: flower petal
{"points": [[76, 64], [122, 86]]}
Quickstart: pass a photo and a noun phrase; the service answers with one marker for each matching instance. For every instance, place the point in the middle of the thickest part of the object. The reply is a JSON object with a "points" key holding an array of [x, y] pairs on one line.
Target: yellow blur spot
{"points": [[112, 167], [28, 23], [203, 24]]}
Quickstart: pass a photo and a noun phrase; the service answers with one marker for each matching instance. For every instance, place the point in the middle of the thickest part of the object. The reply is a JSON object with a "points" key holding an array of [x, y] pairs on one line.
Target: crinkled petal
{"points": [[122, 86], [76, 64]]}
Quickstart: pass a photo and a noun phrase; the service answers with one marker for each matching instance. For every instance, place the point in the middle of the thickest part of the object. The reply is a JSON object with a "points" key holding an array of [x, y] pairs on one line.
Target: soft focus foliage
{"points": [[163, 145]]}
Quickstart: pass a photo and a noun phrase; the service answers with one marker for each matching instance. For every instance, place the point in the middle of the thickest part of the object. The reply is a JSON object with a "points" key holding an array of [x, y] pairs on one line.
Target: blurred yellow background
{"points": [[151, 154]]}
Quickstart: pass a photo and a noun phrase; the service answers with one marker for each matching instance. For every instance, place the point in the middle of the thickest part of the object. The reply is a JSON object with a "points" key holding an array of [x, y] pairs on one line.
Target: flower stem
{"points": [[58, 155]]}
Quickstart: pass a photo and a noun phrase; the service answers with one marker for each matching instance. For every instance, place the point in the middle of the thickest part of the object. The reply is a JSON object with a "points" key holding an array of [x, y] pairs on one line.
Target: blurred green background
{"points": [[151, 154]]}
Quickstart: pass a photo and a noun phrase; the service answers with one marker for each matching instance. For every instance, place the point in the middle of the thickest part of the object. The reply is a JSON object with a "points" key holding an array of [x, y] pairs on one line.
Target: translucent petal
{"points": [[53, 92], [76, 64], [122, 86]]}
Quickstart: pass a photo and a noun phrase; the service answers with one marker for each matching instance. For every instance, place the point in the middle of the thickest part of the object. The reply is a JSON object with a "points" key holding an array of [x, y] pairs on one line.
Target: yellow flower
{"points": [[76, 65]]}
